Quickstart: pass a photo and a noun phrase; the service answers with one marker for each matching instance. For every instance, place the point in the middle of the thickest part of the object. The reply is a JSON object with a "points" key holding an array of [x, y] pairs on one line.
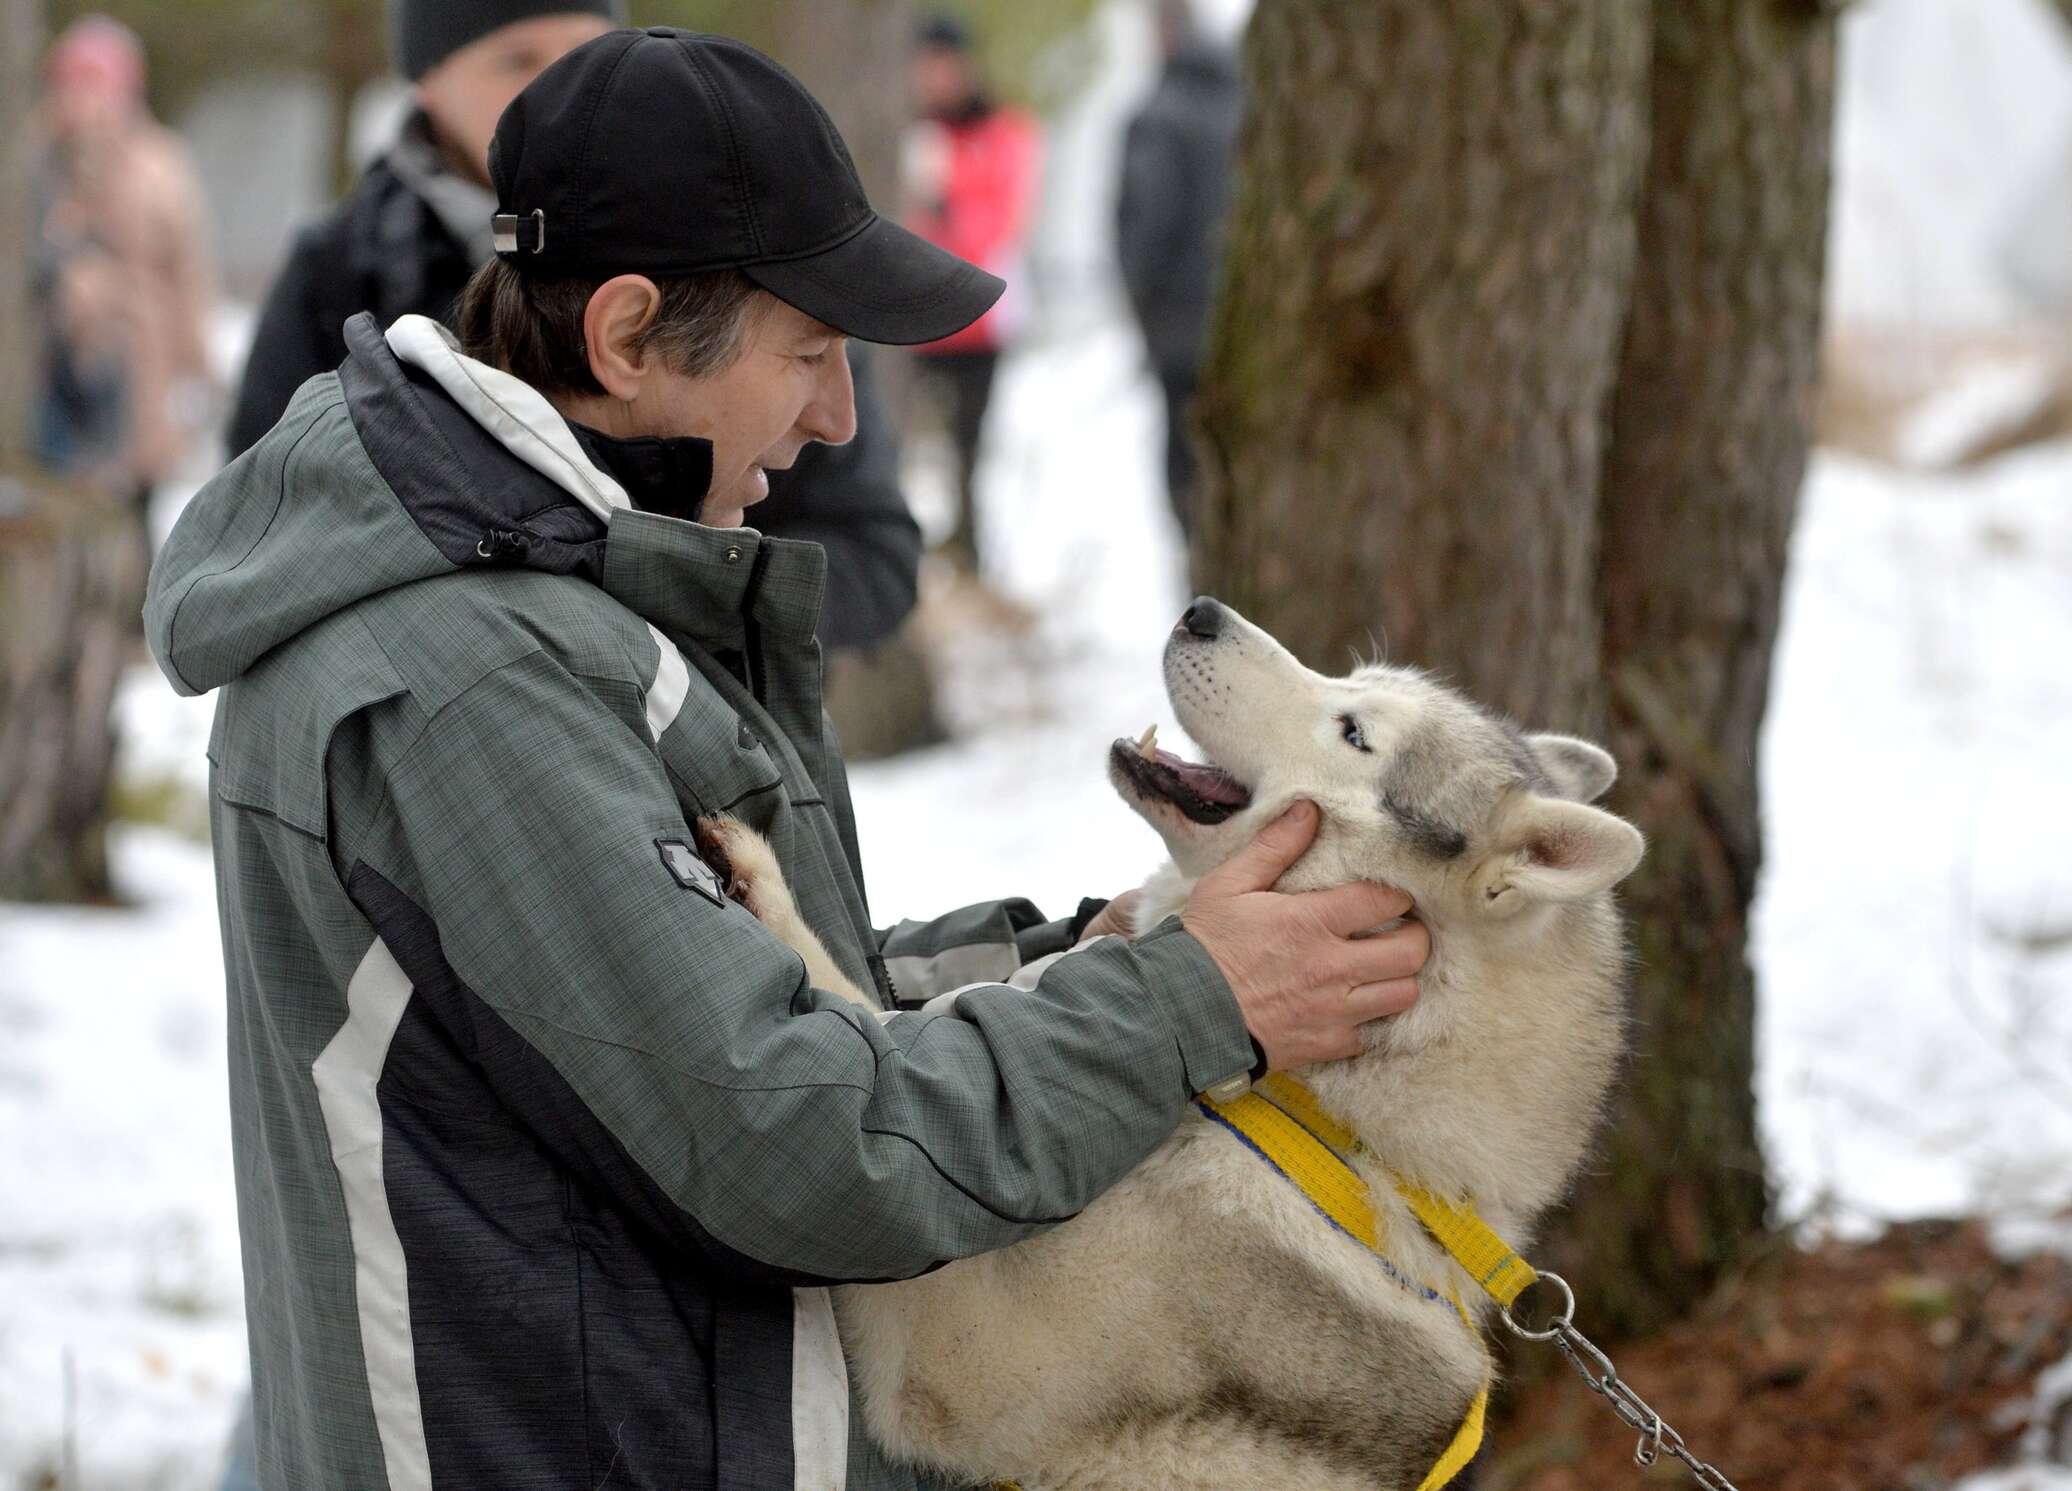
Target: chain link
{"points": [[1602, 1378]]}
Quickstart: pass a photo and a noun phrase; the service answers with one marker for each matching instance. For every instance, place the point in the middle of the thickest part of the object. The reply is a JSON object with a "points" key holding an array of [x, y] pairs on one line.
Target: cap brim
{"points": [[883, 284]]}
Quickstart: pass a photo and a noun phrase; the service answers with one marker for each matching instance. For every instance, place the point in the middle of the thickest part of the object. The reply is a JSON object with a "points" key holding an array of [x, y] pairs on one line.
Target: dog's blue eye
{"points": [[1353, 737]]}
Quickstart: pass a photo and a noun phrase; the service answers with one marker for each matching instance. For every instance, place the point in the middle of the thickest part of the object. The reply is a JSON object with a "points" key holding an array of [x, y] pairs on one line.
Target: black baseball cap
{"points": [[667, 152]]}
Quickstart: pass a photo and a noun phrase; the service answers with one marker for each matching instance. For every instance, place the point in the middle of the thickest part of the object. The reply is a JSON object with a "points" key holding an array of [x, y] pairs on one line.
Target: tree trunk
{"points": [[1426, 276], [853, 58], [354, 53], [1711, 420], [21, 39], [71, 571], [1451, 411], [71, 585]]}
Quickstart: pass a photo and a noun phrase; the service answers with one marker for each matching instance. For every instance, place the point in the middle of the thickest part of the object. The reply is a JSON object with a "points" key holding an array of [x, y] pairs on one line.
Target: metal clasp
{"points": [[503, 230]]}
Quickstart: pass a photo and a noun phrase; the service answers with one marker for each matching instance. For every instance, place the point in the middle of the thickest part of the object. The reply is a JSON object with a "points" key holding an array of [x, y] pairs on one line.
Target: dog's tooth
{"points": [[1148, 746]]}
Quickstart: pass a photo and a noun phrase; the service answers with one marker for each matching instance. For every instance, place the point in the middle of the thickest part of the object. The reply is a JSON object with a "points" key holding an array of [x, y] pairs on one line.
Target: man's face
{"points": [[467, 93], [789, 385]]}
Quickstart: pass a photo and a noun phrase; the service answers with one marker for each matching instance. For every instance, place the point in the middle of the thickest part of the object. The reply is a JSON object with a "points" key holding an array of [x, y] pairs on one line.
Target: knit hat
{"points": [[424, 33]]}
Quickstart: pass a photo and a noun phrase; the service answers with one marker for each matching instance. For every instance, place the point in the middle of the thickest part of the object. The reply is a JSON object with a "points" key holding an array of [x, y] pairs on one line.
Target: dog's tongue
{"points": [[1209, 783]]}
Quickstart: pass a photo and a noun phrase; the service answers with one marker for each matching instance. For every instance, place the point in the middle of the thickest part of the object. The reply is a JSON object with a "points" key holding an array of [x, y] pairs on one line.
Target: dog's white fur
{"points": [[1200, 1325]]}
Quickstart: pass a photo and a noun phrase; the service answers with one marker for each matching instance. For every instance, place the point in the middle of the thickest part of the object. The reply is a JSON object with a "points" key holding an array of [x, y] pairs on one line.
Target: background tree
{"points": [[1711, 419], [1534, 413]]}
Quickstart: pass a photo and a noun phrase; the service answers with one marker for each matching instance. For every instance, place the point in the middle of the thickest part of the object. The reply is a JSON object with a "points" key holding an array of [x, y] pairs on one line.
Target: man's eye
{"points": [[1351, 729]]}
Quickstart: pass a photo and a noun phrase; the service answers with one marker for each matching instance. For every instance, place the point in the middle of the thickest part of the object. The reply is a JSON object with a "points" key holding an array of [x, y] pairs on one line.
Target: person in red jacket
{"points": [[973, 169]]}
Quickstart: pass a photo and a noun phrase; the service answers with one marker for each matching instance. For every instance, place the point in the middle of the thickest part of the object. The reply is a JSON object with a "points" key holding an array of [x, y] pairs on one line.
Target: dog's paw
{"points": [[744, 860]]}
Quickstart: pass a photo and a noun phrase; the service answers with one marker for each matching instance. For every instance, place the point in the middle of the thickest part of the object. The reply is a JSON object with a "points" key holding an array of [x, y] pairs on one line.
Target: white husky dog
{"points": [[1201, 1325]]}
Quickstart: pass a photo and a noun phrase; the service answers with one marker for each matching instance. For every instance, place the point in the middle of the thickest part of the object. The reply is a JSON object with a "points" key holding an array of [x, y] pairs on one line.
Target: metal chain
{"points": [[1602, 1378]]}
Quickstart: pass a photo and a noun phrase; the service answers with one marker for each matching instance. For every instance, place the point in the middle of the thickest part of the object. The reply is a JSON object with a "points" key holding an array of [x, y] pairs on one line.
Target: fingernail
{"points": [[1298, 809]]}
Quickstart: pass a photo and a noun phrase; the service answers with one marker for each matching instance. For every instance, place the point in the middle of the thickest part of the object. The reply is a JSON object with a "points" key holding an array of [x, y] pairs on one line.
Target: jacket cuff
{"points": [[979, 944], [1198, 1003], [1045, 938]]}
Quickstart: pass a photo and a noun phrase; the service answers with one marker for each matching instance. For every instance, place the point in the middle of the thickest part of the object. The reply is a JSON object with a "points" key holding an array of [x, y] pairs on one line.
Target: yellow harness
{"points": [[1281, 1121]]}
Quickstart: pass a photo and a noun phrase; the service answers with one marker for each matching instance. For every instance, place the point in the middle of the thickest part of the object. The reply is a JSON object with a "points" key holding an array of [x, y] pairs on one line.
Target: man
{"points": [[408, 236], [131, 282], [972, 176], [1176, 167], [545, 1146]]}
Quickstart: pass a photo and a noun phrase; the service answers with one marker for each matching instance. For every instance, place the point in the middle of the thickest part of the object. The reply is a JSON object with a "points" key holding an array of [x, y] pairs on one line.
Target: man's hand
{"points": [[1303, 981]]}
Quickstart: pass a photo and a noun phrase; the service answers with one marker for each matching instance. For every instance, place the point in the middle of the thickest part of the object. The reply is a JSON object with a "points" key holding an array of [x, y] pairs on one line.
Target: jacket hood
{"points": [[410, 461]]}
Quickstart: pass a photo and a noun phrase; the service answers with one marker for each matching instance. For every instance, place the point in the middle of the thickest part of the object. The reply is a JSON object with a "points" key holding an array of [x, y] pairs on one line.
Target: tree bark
{"points": [[21, 40], [1711, 421], [853, 58], [1428, 260], [71, 584]]}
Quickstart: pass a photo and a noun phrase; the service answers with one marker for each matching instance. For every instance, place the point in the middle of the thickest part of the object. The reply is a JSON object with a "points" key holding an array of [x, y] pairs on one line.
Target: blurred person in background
{"points": [[125, 272], [972, 170], [1175, 192], [406, 239]]}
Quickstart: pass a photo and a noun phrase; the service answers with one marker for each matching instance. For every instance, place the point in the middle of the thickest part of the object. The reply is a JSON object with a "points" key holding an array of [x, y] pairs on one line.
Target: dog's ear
{"points": [[1550, 849], [1581, 771]]}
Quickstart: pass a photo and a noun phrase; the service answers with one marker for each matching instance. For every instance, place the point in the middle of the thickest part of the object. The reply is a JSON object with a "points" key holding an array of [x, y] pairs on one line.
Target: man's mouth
{"points": [[1203, 793]]}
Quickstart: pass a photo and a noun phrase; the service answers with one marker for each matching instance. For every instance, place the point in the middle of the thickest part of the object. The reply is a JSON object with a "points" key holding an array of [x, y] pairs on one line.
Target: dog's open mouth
{"points": [[1204, 794]]}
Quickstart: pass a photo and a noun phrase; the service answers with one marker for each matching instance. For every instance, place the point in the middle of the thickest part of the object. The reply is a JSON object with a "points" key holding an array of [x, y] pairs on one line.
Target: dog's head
{"points": [[1419, 786]]}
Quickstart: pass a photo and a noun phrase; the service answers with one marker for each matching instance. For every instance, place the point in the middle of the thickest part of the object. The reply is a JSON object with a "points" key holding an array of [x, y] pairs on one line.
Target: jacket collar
{"points": [[712, 585], [661, 475], [709, 585]]}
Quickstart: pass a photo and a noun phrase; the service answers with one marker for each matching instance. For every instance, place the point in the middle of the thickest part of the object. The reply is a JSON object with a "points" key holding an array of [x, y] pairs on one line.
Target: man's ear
{"points": [[619, 311], [1581, 771], [1550, 849]]}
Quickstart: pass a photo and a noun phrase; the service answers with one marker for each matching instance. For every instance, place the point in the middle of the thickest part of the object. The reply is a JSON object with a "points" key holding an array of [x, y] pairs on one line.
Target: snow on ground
{"points": [[118, 1232], [1914, 933]]}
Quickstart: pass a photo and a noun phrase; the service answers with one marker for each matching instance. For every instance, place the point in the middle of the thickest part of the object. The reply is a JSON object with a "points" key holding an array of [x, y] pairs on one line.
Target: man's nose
{"points": [[831, 415]]}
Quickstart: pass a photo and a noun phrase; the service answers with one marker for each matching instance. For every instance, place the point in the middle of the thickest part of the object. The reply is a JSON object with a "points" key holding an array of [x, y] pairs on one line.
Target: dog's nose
{"points": [[1203, 619]]}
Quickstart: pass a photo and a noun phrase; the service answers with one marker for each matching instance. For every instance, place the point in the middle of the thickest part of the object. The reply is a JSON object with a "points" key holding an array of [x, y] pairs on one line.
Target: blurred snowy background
{"points": [[1914, 936]]}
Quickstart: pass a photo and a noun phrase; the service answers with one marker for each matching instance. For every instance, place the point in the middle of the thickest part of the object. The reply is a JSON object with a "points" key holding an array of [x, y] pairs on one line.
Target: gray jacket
{"points": [[544, 1147]]}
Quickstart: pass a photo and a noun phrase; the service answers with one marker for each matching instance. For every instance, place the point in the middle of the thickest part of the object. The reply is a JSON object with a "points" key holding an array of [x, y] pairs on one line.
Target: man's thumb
{"points": [[1262, 862]]}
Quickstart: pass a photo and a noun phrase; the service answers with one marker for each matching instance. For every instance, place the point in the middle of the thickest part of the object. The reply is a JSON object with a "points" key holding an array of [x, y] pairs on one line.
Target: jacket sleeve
{"points": [[978, 944], [293, 342], [794, 1129], [847, 499]]}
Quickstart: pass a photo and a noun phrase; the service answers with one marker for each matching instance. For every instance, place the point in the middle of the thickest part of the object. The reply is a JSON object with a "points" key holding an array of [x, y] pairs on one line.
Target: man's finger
{"points": [[1356, 906], [1377, 1001], [1397, 953], [1263, 861]]}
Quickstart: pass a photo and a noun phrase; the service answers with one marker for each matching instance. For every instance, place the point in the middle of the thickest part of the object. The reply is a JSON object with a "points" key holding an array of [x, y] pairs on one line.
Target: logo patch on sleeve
{"points": [[691, 872]]}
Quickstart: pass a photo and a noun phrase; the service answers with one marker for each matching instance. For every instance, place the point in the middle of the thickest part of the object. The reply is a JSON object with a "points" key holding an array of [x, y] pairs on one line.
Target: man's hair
{"points": [[532, 327]]}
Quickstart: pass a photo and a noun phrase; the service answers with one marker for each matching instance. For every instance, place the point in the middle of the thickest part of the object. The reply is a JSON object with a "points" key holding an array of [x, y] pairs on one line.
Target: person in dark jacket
{"points": [[406, 239], [547, 1150], [1175, 193]]}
